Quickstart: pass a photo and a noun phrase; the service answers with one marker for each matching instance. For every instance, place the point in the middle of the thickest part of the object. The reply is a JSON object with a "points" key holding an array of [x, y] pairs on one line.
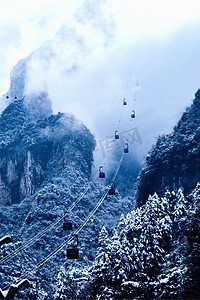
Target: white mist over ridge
{"points": [[96, 58]]}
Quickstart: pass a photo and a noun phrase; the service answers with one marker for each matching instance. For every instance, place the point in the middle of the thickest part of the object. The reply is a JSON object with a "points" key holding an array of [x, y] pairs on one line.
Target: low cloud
{"points": [[96, 58]]}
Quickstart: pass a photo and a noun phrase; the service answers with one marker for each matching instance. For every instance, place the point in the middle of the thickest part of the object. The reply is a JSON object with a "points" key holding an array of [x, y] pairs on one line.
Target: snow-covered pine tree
{"points": [[66, 287], [136, 255], [192, 226], [171, 278], [148, 239], [98, 273], [61, 285]]}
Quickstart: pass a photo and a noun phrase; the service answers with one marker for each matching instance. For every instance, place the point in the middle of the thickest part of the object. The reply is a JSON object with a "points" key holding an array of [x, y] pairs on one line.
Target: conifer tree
{"points": [[98, 277]]}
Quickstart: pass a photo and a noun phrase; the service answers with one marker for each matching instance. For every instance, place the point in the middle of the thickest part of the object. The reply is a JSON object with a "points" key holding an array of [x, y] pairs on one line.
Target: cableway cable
{"points": [[43, 232], [52, 254]]}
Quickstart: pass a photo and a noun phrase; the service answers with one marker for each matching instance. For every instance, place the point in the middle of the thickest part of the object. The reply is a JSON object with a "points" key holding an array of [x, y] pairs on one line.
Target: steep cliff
{"points": [[45, 166], [174, 161], [153, 253], [33, 151]]}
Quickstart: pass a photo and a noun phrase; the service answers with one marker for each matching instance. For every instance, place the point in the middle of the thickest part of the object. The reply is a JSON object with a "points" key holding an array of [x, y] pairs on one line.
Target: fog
{"points": [[108, 51]]}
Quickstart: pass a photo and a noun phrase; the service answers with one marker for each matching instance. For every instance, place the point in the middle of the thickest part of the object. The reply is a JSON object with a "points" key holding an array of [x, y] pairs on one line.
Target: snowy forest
{"points": [[75, 225], [142, 246]]}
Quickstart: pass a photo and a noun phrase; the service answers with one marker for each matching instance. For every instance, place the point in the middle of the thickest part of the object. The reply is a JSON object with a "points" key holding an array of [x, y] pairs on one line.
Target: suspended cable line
{"points": [[43, 232], [52, 254], [121, 114], [117, 170]]}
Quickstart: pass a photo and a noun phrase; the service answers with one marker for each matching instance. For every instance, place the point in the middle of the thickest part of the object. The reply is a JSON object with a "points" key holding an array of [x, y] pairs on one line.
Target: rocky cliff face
{"points": [[174, 161], [45, 165], [32, 151]]}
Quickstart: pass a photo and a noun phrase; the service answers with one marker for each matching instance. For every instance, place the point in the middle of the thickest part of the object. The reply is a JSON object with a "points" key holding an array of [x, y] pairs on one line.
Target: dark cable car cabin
{"points": [[124, 101], [116, 135], [15, 97], [66, 224], [133, 115], [101, 174], [7, 97], [126, 148], [112, 189], [5, 240], [73, 253]]}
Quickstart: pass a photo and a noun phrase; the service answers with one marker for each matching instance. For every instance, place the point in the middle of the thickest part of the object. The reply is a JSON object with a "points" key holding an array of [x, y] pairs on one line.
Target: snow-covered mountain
{"points": [[33, 151], [153, 253], [174, 162], [45, 164], [65, 54]]}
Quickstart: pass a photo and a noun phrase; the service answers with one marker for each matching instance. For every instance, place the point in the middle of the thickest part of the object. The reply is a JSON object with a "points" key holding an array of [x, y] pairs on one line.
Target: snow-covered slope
{"points": [[45, 164], [153, 253], [174, 161], [33, 152]]}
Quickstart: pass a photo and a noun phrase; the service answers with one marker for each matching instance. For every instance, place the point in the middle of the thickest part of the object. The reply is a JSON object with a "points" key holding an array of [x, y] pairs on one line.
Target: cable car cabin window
{"points": [[67, 225], [72, 253], [101, 175]]}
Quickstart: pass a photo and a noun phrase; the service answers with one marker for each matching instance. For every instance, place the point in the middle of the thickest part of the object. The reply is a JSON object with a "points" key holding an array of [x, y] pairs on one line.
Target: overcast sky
{"points": [[156, 43]]}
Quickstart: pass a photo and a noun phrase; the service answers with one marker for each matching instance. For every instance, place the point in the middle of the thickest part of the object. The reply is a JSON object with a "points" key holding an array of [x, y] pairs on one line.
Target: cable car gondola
{"points": [[124, 101], [126, 148], [5, 240], [66, 224], [112, 189], [73, 253], [116, 135], [133, 114], [101, 174]]}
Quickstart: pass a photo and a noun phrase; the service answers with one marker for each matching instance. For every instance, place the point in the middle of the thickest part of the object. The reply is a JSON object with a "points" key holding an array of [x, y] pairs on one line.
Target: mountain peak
{"points": [[174, 161], [197, 94]]}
